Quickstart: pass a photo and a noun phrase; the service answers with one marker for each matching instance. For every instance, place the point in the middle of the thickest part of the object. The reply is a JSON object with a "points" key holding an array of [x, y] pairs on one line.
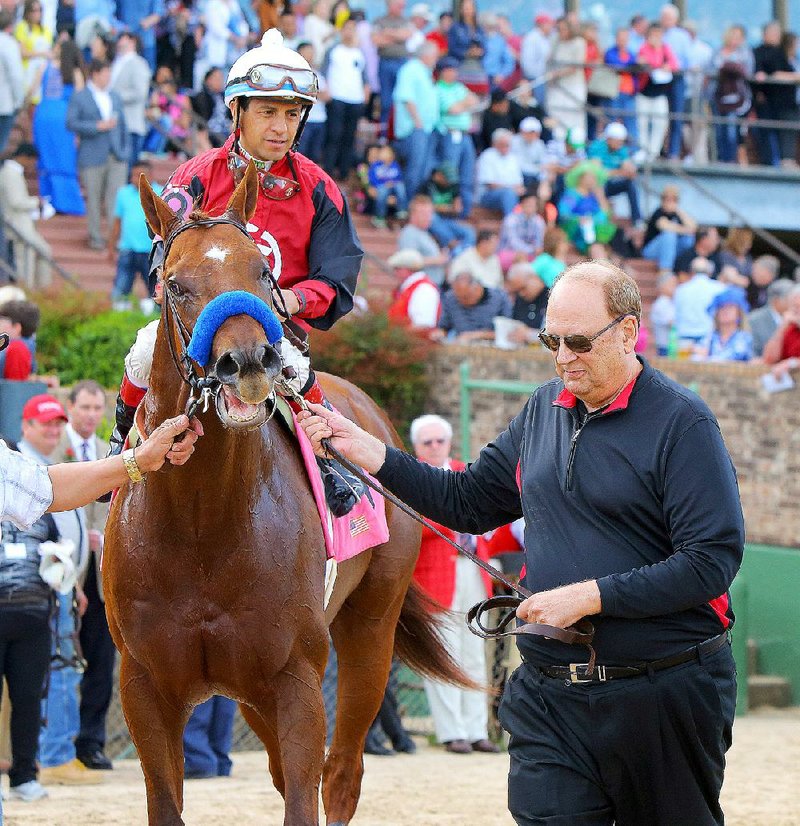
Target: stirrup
{"points": [[342, 489]]}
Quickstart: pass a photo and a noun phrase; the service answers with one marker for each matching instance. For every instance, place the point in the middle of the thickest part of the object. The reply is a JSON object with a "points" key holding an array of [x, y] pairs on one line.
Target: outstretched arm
{"points": [[77, 483]]}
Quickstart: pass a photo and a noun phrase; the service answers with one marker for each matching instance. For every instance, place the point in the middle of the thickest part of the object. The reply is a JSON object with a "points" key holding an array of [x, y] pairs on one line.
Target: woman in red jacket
{"points": [[460, 717]]}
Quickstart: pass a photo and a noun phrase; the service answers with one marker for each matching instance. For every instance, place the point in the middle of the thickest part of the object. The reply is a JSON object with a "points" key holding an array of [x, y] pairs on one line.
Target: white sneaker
{"points": [[121, 305], [30, 791]]}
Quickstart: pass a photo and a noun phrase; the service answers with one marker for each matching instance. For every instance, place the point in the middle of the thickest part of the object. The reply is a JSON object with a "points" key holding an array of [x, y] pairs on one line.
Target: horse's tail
{"points": [[419, 645]]}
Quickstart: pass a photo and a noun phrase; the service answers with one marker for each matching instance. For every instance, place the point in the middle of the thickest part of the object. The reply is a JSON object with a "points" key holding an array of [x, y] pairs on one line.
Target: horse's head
{"points": [[206, 263]]}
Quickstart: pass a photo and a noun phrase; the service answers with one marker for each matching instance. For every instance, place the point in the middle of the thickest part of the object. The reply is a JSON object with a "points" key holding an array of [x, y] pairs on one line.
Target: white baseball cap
{"points": [[616, 131], [530, 124], [406, 259]]}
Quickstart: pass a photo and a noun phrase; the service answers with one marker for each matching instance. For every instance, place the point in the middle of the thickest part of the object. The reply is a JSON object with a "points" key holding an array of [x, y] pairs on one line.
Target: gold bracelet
{"points": [[132, 466]]}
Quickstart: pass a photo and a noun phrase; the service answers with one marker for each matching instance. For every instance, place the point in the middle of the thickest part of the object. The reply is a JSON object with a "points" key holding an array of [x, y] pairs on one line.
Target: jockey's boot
{"points": [[127, 401], [342, 488]]}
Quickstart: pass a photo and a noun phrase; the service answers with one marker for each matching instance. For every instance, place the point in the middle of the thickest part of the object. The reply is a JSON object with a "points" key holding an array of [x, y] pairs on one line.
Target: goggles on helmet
{"points": [[266, 77], [274, 187]]}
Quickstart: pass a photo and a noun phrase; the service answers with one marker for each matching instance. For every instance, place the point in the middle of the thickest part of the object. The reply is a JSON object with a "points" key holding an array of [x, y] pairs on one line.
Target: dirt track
{"points": [[762, 788]]}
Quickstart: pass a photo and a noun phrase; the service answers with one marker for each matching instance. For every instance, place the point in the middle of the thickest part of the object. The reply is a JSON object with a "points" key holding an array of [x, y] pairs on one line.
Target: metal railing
{"points": [[60, 270]]}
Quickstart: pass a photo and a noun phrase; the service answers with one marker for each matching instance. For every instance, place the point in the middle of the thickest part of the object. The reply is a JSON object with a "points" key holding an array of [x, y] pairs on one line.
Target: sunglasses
{"points": [[576, 343], [431, 442], [267, 78]]}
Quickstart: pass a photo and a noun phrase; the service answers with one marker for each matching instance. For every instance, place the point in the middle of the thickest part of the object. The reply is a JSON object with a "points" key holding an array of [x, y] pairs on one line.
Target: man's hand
{"points": [[292, 302], [81, 599], [563, 606], [95, 541], [347, 437], [163, 443]]}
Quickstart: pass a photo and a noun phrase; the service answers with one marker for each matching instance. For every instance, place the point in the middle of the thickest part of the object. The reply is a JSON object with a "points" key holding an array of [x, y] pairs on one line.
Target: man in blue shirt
{"points": [[130, 242], [416, 114], [613, 154]]}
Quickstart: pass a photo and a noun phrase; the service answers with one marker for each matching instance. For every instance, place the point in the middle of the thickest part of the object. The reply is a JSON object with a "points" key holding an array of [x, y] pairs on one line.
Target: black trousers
{"points": [[341, 136], [98, 678], [642, 750], [24, 660]]}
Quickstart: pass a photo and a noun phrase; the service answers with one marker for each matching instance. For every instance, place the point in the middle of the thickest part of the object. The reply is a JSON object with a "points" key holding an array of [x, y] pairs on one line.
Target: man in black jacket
{"points": [[633, 519]]}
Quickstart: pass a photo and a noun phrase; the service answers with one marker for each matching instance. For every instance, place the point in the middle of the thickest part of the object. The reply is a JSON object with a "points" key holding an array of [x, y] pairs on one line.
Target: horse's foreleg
{"points": [[300, 716], [156, 726], [364, 651], [266, 730]]}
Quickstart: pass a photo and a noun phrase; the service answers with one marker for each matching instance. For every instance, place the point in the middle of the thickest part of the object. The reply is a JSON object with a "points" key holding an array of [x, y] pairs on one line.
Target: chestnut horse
{"points": [[213, 571]]}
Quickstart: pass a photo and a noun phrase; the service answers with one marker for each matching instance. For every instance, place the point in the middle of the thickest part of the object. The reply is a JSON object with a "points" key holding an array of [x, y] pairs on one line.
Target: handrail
{"points": [[67, 276]]}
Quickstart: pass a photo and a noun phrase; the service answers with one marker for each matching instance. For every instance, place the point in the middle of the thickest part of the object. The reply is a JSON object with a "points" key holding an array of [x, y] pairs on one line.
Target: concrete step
{"points": [[769, 690]]}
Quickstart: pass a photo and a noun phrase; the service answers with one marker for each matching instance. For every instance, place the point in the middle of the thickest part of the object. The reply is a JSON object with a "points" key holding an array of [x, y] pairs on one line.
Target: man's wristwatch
{"points": [[132, 466]]}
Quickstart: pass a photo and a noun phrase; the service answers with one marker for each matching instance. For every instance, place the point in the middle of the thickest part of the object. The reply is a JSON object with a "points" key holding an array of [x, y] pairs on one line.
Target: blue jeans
{"points": [[207, 737], [447, 231], [460, 156], [60, 707], [388, 67], [136, 142], [382, 194], [312, 140], [628, 104], [416, 152], [504, 199], [130, 263], [727, 140], [677, 103], [341, 134], [665, 247], [616, 186]]}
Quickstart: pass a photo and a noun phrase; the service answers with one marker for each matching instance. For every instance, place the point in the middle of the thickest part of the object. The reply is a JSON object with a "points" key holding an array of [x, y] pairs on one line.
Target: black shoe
{"points": [[123, 415], [373, 747], [197, 774], [405, 746], [96, 760], [342, 489]]}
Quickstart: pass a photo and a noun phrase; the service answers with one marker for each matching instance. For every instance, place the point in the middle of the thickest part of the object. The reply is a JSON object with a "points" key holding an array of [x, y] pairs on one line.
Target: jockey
{"points": [[301, 224]]}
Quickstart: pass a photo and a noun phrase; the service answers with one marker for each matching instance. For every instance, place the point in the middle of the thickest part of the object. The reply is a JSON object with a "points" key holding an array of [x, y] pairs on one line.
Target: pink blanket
{"points": [[345, 536]]}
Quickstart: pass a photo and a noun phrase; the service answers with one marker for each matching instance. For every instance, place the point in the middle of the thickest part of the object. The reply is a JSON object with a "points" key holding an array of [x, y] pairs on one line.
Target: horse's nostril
{"points": [[228, 367], [269, 358]]}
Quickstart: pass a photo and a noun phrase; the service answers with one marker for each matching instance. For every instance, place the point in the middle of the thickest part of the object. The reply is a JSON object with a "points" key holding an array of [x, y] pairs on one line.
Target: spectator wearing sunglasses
{"points": [[632, 520], [460, 716]]}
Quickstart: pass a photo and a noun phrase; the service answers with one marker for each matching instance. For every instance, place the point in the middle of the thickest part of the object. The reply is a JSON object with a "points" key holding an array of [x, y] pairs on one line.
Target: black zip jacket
{"points": [[641, 497]]}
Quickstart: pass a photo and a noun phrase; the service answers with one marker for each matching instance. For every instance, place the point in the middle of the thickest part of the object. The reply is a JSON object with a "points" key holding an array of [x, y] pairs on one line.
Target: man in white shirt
{"points": [[500, 182], [700, 55], [535, 52], [345, 70], [692, 299], [420, 17], [481, 261], [530, 150]]}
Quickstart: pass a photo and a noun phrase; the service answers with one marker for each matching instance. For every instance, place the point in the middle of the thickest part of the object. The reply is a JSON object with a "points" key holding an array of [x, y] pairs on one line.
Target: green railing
{"points": [[467, 384]]}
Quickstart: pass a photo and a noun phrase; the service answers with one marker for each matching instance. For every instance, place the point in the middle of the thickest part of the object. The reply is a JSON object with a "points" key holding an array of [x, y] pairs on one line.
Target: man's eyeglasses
{"points": [[431, 442], [576, 343], [273, 186]]}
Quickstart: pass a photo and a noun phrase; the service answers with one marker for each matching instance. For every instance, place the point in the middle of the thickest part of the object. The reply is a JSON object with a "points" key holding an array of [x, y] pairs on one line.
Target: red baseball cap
{"points": [[43, 408], [543, 17]]}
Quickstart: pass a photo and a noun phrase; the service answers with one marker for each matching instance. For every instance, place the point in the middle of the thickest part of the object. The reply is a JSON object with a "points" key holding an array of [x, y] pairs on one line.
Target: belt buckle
{"points": [[577, 674]]}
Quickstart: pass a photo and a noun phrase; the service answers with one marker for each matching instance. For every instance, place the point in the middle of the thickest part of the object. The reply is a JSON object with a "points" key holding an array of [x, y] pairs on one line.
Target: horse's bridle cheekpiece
{"points": [[195, 344]]}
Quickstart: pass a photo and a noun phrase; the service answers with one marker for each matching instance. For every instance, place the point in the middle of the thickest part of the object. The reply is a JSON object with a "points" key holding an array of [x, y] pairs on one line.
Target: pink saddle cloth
{"points": [[345, 536]]}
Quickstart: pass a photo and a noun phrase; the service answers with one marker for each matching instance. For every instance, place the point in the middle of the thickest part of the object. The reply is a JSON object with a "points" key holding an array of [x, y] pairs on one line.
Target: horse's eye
{"points": [[175, 288], [266, 274]]}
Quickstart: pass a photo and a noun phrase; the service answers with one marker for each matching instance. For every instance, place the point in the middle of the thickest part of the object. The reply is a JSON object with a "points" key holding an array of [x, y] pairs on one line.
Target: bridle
{"points": [[203, 386]]}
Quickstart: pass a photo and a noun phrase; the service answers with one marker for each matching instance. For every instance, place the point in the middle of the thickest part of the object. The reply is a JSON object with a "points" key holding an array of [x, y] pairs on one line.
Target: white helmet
{"points": [[272, 70]]}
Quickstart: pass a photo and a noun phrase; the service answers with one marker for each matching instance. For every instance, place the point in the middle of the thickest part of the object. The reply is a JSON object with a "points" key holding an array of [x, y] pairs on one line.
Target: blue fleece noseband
{"points": [[221, 308]]}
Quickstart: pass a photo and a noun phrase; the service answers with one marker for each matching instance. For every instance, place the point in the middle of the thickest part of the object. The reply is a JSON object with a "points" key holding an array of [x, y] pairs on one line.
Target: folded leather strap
{"points": [[581, 633], [579, 673]]}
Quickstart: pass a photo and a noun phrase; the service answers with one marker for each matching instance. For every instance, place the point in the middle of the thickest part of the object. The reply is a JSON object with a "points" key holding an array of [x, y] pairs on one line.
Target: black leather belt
{"points": [[576, 672]]}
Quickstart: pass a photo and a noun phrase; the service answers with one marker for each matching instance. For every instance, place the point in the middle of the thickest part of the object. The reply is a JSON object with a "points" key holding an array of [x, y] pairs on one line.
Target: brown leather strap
{"points": [[582, 633]]}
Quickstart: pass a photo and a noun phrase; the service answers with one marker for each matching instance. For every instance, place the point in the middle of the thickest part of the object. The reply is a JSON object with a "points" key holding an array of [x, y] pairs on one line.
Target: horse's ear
{"points": [[242, 205], [160, 217]]}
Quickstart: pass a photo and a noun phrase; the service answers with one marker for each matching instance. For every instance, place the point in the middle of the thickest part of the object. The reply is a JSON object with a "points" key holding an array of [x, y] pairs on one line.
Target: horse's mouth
{"points": [[237, 414]]}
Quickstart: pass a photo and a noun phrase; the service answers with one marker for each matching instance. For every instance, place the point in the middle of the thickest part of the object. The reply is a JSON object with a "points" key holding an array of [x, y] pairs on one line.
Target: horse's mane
{"points": [[199, 215]]}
